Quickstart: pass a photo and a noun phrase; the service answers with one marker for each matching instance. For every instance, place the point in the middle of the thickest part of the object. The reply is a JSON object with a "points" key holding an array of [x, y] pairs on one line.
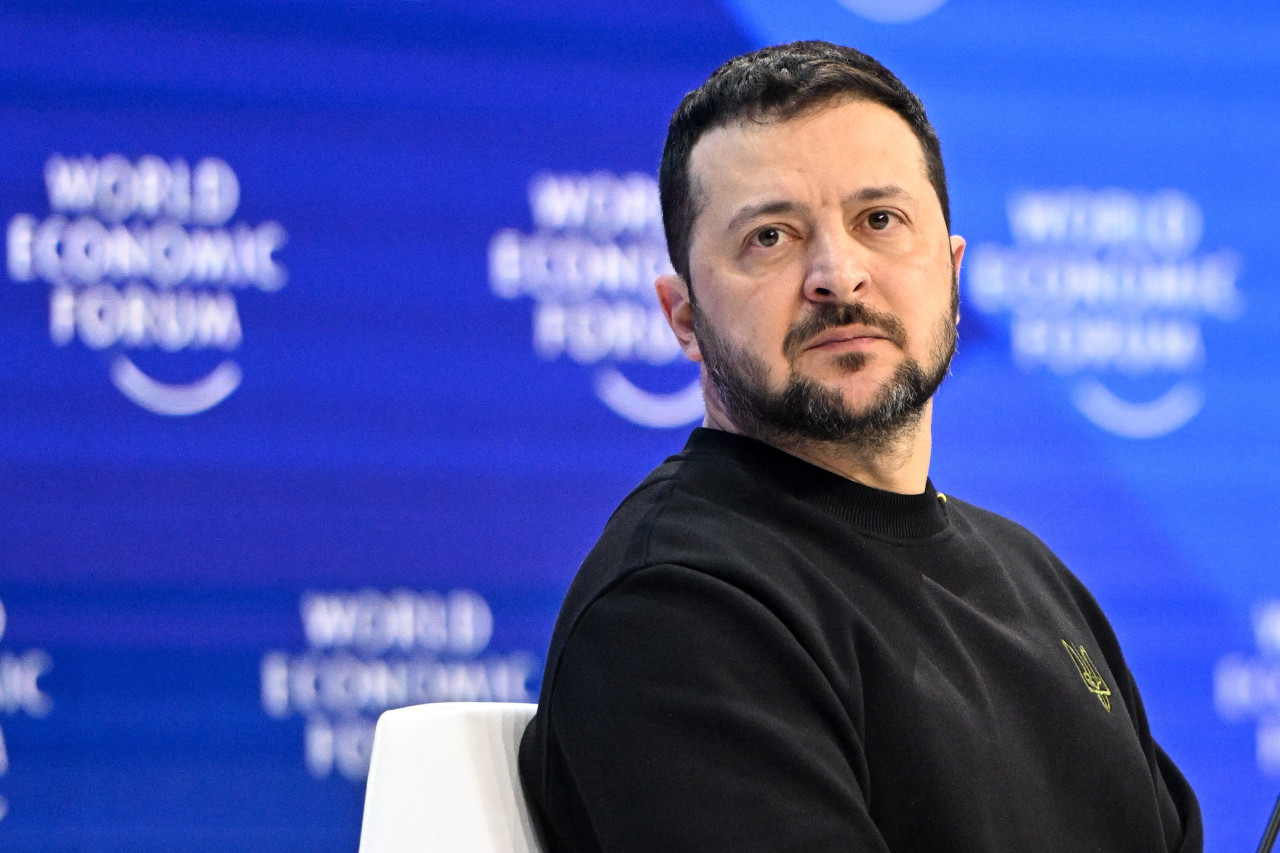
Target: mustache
{"points": [[831, 315]]}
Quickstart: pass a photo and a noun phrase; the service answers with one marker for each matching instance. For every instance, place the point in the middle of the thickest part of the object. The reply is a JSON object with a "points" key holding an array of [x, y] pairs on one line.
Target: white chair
{"points": [[443, 780]]}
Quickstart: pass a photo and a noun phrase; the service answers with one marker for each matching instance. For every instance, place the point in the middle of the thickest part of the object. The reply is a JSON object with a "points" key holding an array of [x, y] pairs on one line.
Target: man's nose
{"points": [[836, 268]]}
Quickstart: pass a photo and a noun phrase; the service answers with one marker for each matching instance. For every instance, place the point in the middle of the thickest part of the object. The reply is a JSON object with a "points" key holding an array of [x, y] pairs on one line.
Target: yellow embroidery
{"points": [[1092, 678]]}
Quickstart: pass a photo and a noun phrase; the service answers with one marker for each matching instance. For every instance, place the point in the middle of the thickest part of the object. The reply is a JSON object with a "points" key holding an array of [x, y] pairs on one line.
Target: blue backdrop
{"points": [[328, 346]]}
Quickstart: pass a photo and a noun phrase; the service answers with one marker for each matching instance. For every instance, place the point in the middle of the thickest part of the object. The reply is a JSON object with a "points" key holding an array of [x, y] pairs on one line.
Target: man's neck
{"points": [[899, 465]]}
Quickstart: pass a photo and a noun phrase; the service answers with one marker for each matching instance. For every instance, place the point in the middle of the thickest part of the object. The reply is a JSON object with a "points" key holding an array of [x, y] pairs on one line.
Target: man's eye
{"points": [[768, 237], [880, 220]]}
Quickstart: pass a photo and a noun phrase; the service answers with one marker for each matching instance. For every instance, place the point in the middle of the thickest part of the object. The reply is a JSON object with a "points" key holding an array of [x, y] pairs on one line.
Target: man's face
{"points": [[823, 275]]}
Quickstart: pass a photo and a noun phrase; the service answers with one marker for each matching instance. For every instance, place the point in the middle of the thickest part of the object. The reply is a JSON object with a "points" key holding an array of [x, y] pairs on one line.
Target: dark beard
{"points": [[804, 411]]}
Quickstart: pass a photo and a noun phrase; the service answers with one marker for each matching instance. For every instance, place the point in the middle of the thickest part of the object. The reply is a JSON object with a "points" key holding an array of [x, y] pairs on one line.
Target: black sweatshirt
{"points": [[760, 655]]}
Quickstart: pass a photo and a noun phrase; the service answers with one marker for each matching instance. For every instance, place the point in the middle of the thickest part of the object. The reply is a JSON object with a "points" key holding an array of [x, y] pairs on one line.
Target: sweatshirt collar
{"points": [[868, 509]]}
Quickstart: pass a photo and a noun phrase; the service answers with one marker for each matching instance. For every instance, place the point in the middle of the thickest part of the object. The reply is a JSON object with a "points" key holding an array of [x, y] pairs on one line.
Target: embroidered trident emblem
{"points": [[1092, 678]]}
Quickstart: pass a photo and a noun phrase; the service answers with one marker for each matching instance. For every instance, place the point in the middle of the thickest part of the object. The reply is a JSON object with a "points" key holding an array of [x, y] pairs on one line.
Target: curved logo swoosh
{"points": [[178, 400], [646, 408], [891, 11], [1160, 417]]}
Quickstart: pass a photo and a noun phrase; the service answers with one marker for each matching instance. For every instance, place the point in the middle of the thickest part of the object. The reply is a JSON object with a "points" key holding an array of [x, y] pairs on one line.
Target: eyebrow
{"points": [[866, 194], [773, 208], [766, 208]]}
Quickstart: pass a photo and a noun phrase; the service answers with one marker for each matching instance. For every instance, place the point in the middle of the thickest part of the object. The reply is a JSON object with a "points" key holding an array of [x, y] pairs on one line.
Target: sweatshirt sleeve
{"points": [[685, 715]]}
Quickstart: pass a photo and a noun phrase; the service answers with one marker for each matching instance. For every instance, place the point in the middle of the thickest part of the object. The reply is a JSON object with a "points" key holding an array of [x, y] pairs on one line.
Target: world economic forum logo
{"points": [[141, 257], [589, 266], [369, 651], [1105, 288], [1247, 687], [20, 694]]}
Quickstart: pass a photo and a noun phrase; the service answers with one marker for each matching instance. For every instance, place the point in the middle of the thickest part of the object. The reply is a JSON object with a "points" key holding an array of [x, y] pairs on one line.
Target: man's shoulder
{"points": [[691, 510], [1010, 542], [969, 518]]}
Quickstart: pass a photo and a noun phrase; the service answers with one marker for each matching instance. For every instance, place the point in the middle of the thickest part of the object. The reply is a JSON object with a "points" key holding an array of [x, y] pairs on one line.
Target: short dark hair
{"points": [[776, 84]]}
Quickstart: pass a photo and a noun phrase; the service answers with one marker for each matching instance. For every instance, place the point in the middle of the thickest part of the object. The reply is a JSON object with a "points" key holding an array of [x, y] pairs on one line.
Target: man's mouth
{"points": [[844, 326], [846, 338]]}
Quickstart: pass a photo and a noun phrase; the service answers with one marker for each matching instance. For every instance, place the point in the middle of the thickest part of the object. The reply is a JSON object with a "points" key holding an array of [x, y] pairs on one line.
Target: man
{"points": [[786, 639]]}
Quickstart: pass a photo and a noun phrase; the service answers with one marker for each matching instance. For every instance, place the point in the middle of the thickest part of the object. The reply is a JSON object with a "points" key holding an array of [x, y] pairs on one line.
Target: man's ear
{"points": [[957, 255], [673, 296]]}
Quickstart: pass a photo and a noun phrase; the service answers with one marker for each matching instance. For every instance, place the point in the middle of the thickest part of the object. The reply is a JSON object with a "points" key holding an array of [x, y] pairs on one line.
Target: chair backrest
{"points": [[443, 780]]}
